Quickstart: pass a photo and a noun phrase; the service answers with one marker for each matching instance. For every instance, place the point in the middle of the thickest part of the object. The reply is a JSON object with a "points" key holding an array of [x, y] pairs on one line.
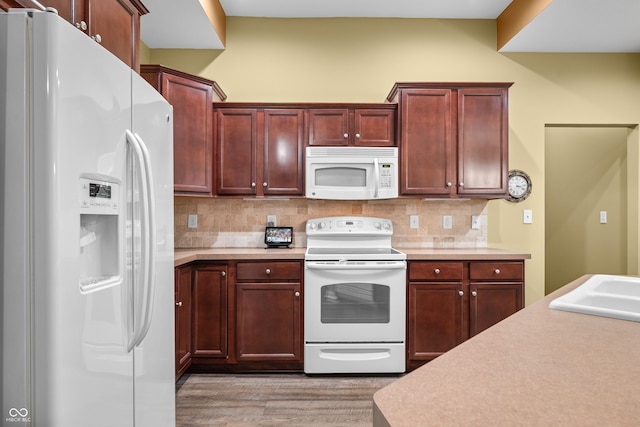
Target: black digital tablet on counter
{"points": [[278, 237]]}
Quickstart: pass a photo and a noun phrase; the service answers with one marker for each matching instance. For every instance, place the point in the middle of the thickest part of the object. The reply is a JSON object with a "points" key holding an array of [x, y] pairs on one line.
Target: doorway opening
{"points": [[591, 202]]}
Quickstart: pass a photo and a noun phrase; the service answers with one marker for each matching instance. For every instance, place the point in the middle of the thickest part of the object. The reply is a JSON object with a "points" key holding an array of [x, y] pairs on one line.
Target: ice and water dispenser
{"points": [[99, 242]]}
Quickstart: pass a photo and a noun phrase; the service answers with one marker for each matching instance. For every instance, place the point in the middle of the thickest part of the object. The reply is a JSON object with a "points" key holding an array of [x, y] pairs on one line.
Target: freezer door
{"points": [[81, 107]]}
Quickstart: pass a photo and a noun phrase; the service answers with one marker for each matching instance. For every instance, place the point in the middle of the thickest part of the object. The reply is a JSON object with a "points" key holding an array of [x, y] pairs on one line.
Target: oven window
{"points": [[354, 303], [341, 177]]}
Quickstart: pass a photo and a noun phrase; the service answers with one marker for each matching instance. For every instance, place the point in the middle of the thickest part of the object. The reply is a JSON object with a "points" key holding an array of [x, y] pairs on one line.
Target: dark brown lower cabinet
{"points": [[268, 326], [183, 289], [209, 311], [449, 302], [268, 306]]}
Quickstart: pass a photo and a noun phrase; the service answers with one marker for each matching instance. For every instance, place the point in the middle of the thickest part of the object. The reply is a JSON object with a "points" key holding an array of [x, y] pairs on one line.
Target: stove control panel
{"points": [[350, 225]]}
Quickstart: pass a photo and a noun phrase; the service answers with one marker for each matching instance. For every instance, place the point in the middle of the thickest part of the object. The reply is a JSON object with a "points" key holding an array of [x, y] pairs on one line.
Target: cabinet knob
{"points": [[223, 273], [474, 293], [462, 184], [497, 271], [179, 304], [268, 271], [449, 184], [346, 135], [81, 25], [264, 184], [97, 38], [461, 293], [437, 271], [357, 135], [253, 184], [297, 294]]}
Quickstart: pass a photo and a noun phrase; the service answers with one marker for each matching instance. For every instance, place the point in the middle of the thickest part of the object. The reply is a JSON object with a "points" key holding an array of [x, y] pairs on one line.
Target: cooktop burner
{"points": [[351, 238]]}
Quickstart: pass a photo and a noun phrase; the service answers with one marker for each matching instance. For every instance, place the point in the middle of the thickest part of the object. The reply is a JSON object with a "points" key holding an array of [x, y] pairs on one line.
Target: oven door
{"points": [[359, 301]]}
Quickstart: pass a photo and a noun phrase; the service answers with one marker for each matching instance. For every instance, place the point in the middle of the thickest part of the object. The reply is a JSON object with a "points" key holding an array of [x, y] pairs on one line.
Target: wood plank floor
{"points": [[276, 400]]}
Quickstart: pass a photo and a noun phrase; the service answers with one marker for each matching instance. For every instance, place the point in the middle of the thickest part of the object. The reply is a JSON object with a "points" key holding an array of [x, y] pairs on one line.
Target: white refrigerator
{"points": [[86, 175]]}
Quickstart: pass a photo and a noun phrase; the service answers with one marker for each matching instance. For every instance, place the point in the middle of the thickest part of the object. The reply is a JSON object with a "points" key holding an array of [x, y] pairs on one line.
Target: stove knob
{"points": [[377, 225], [312, 225], [387, 226], [321, 225]]}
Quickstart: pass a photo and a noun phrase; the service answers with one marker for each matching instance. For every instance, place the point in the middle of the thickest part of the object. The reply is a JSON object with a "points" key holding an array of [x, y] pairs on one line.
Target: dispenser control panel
{"points": [[99, 197]]}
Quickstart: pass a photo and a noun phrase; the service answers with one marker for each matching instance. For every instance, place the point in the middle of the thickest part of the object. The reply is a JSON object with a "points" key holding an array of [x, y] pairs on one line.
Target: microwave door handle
{"points": [[376, 177]]}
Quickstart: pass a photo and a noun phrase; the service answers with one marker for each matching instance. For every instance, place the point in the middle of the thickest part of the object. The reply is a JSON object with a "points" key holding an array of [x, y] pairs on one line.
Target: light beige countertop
{"points": [[539, 367], [185, 256]]}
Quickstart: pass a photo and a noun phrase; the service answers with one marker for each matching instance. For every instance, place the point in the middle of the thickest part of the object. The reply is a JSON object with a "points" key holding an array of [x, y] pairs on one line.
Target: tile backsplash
{"points": [[241, 222]]}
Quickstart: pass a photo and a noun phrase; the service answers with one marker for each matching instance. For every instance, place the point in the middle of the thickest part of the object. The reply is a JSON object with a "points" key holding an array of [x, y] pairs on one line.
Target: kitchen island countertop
{"points": [[185, 256], [537, 367]]}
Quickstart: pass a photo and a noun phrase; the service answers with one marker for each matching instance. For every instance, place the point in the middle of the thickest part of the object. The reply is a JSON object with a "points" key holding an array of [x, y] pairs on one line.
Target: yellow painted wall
{"points": [[358, 60]]}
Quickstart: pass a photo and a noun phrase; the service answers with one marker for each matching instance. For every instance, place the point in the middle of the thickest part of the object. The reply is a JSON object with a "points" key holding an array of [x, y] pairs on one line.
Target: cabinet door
{"points": [[210, 311], [436, 319], [489, 303], [482, 142], [426, 142], [375, 128], [192, 133], [183, 319], [268, 322], [283, 153], [329, 126], [236, 149], [116, 23]]}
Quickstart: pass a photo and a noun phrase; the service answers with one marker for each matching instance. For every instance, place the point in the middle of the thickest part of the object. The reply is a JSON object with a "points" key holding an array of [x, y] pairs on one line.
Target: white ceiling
{"points": [[564, 26]]}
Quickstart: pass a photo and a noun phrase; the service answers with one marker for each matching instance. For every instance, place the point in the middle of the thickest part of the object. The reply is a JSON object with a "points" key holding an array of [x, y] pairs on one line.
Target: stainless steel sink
{"points": [[604, 295]]}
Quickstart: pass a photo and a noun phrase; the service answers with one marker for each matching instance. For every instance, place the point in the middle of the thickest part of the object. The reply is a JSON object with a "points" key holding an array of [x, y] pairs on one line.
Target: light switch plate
{"points": [[603, 217], [527, 216]]}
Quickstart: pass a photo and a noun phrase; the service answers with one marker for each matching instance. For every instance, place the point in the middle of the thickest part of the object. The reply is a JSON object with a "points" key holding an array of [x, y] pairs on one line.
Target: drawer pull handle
{"points": [[437, 271], [179, 304], [268, 271], [461, 293], [497, 271]]}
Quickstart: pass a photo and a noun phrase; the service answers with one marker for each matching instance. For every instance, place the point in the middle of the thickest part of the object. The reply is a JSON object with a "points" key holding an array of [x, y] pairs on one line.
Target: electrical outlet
{"points": [[603, 217], [475, 222], [271, 220], [447, 222], [414, 221], [192, 221], [527, 216]]}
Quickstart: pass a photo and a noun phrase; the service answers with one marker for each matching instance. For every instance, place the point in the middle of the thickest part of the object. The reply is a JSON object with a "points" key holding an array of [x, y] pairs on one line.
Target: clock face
{"points": [[519, 186]]}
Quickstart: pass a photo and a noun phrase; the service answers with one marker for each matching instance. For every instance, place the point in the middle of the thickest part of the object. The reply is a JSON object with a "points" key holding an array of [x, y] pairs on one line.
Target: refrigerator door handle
{"points": [[150, 220], [142, 308]]}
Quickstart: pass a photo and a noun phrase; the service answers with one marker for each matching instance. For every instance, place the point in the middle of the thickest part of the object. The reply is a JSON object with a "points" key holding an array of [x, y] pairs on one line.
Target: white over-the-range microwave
{"points": [[352, 173]]}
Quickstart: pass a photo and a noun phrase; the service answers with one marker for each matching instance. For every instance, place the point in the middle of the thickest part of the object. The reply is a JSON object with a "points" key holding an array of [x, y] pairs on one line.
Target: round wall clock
{"points": [[519, 186]]}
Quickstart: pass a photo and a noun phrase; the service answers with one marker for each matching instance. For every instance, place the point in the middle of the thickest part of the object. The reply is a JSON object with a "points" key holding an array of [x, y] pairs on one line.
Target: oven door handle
{"points": [[353, 266]]}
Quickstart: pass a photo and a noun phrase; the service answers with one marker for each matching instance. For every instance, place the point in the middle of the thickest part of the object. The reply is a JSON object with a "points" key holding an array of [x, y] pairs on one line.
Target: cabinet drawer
{"points": [[435, 270], [278, 270], [496, 271]]}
